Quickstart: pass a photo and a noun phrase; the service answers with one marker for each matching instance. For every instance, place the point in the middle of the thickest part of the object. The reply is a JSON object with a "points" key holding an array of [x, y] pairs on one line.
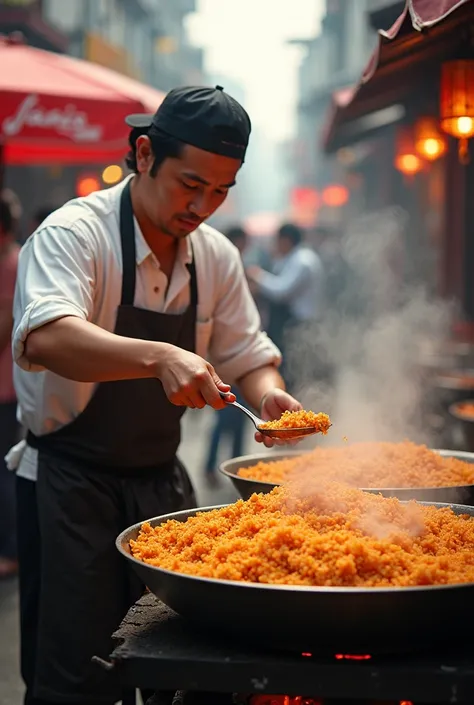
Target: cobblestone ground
{"points": [[196, 430]]}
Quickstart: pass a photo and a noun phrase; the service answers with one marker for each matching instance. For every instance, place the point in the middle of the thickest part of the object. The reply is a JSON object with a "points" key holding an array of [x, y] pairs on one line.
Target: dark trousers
{"points": [[30, 578], [8, 438], [74, 586]]}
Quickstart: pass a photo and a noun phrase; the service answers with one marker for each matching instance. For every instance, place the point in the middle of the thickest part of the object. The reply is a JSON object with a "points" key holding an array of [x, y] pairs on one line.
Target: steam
{"points": [[374, 522], [377, 391], [366, 512], [371, 339]]}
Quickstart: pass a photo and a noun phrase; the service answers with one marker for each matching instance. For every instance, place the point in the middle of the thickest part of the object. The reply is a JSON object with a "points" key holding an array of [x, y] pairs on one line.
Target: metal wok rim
{"points": [[258, 457], [122, 538]]}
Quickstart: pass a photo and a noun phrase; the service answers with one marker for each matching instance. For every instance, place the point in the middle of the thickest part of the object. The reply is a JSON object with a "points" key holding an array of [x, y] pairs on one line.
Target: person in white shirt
{"points": [[128, 309], [294, 290]]}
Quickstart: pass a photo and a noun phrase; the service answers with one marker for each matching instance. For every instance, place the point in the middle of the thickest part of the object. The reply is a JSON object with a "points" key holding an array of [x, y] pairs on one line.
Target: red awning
{"points": [[57, 109], [400, 59]]}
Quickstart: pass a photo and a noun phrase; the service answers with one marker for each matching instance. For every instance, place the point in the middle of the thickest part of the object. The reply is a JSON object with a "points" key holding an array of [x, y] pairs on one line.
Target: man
{"points": [[294, 291], [8, 424], [120, 297]]}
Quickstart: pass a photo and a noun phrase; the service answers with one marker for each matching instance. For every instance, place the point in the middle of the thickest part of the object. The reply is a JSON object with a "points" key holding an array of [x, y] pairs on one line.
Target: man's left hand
{"points": [[274, 404]]}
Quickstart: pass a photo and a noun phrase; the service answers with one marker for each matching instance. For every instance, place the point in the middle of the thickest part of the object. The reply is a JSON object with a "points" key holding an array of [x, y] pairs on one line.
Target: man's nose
{"points": [[200, 205]]}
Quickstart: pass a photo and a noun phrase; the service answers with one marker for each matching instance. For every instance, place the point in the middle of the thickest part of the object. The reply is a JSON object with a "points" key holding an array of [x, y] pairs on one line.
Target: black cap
{"points": [[207, 118]]}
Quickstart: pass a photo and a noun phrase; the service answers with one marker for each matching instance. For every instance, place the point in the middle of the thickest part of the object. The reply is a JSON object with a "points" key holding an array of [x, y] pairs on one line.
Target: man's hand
{"points": [[273, 405], [188, 380]]}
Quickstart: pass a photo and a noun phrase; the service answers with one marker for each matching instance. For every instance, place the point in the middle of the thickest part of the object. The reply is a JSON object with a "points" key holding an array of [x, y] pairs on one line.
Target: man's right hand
{"points": [[189, 380]]}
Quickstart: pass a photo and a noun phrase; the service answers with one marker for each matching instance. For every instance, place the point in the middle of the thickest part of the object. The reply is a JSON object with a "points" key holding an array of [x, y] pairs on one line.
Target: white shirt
{"points": [[298, 281], [72, 266]]}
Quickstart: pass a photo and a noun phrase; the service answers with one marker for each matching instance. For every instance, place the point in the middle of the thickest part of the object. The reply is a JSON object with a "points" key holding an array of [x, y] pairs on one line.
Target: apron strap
{"points": [[193, 278], [129, 255]]}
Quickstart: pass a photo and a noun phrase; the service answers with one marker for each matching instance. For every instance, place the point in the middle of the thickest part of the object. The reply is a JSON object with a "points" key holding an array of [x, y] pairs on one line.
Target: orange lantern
{"points": [[406, 157], [335, 195], [429, 142], [87, 184], [457, 102]]}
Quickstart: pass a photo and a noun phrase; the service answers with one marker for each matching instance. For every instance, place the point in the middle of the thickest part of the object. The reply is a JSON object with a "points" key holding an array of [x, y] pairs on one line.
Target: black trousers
{"points": [[8, 437], [74, 586]]}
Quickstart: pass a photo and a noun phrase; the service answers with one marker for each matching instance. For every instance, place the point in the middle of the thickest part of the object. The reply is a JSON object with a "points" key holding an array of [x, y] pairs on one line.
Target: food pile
{"points": [[300, 419], [324, 534], [369, 465]]}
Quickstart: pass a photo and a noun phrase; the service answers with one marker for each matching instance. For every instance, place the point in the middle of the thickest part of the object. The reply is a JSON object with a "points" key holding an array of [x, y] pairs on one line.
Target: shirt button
{"points": [[156, 289]]}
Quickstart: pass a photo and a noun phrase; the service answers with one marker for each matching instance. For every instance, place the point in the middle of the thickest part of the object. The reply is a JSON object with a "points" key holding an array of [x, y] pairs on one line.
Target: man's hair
{"points": [[164, 147], [236, 233], [292, 233], [7, 219]]}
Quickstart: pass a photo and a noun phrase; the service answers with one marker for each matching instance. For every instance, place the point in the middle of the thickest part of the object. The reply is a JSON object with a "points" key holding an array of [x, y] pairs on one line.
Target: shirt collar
{"points": [[185, 255]]}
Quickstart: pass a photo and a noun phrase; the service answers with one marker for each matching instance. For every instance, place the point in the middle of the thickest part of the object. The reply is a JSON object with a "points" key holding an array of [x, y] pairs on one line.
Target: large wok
{"points": [[450, 495], [311, 619]]}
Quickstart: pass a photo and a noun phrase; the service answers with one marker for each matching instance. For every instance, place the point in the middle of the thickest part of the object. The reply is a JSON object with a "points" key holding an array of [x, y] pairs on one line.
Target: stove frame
{"points": [[157, 649]]}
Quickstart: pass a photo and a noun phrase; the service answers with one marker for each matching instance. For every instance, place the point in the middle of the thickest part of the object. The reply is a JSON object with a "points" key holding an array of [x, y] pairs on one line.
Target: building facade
{"points": [[333, 60], [144, 39]]}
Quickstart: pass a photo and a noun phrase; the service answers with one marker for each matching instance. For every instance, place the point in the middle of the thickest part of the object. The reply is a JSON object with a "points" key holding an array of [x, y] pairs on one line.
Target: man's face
{"points": [[186, 190]]}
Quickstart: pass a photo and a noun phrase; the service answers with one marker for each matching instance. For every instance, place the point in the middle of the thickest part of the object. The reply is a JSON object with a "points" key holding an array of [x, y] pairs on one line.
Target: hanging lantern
{"points": [[430, 144], [407, 159], [335, 195], [457, 102]]}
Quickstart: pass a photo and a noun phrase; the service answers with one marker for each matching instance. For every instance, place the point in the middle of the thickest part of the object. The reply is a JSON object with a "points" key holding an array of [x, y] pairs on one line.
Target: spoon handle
{"points": [[255, 420]]}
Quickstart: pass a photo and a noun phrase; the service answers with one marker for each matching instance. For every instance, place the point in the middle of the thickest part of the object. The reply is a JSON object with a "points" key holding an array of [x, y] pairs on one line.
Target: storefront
{"points": [[414, 110]]}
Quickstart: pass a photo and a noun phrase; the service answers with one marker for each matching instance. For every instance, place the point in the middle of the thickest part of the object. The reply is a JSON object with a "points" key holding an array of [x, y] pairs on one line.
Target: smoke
{"points": [[360, 363]]}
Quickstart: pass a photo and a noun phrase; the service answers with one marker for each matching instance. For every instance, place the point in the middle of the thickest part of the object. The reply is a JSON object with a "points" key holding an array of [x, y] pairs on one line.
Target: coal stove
{"points": [[157, 649]]}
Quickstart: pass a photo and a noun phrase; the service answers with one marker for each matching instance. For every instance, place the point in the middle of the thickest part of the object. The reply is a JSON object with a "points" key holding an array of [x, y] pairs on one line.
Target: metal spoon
{"points": [[286, 434]]}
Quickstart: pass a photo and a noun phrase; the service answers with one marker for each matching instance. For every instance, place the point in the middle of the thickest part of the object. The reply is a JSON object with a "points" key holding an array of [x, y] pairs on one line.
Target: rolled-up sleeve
{"points": [[56, 278], [238, 345]]}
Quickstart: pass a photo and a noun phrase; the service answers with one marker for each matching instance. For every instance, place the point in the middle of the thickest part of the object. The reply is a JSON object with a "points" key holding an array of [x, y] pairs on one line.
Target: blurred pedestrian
{"points": [[229, 423], [294, 290], [9, 250]]}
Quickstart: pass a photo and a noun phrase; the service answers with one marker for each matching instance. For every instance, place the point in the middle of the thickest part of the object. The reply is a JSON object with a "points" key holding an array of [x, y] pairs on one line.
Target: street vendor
{"points": [[128, 309]]}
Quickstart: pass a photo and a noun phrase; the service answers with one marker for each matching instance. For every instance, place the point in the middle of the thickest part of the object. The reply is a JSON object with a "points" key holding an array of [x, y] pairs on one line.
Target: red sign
{"points": [[57, 109], [32, 116]]}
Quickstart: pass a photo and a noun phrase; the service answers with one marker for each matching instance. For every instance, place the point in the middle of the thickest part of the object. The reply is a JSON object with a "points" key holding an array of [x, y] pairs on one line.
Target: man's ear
{"points": [[145, 156]]}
